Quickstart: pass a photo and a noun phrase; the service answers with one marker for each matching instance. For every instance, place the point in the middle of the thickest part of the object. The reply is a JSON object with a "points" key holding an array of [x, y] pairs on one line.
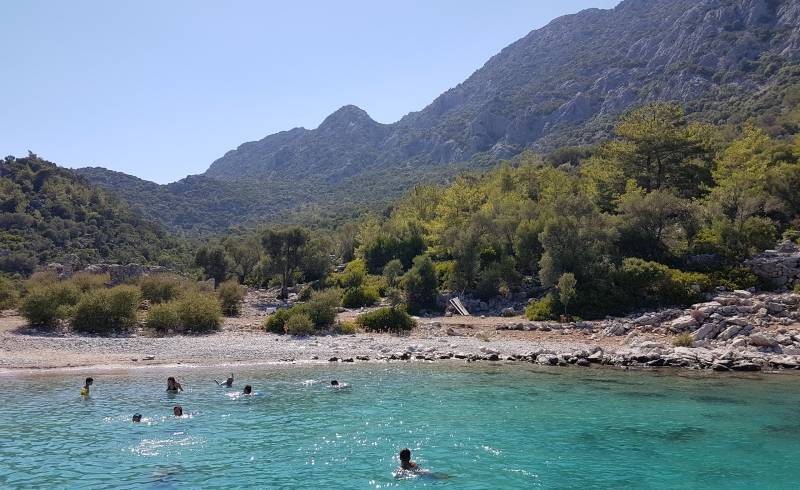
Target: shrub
{"points": [[445, 272], [685, 287], [276, 322], [358, 297], [386, 320], [346, 328], [736, 278], [105, 310], [199, 311], [353, 274], [683, 340], [322, 307], [231, 295], [39, 279], [163, 316], [392, 272], [377, 283], [9, 293], [796, 288], [299, 324], [160, 288], [87, 281], [420, 284], [541, 309], [43, 305]]}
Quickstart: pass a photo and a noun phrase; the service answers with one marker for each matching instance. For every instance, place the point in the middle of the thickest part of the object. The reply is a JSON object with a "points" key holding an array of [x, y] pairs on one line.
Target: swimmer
{"points": [[405, 461], [177, 411], [336, 384], [248, 390], [87, 384], [173, 386], [228, 382], [137, 417]]}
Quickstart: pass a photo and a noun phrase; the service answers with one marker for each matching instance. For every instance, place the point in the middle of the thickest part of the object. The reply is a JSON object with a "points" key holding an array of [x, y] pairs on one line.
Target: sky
{"points": [[160, 89]]}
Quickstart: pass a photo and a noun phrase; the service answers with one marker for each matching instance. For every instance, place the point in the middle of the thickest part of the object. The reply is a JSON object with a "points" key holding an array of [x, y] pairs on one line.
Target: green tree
{"points": [[419, 284], [566, 289], [285, 248], [214, 261]]}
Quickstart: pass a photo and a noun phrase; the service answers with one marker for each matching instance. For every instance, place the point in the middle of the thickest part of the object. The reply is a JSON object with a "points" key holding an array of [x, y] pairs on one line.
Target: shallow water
{"points": [[480, 426]]}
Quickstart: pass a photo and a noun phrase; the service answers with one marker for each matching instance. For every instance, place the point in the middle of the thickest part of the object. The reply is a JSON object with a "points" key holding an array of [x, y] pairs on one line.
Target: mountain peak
{"points": [[345, 117]]}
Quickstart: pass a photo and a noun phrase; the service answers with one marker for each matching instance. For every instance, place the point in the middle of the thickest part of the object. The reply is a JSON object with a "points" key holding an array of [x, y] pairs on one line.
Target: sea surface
{"points": [[473, 426]]}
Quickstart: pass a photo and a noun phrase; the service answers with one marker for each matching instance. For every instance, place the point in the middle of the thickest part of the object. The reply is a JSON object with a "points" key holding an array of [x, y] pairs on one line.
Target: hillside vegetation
{"points": [[48, 212], [661, 214]]}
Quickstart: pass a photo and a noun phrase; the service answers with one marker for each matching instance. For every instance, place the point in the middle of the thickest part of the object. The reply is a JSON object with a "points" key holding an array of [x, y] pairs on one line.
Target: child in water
{"points": [[228, 382], [336, 384], [177, 411], [87, 384], [248, 390], [173, 386], [137, 417]]}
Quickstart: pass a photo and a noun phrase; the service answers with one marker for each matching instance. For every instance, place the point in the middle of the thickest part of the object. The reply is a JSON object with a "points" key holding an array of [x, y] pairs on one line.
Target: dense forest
{"points": [[661, 213], [48, 212]]}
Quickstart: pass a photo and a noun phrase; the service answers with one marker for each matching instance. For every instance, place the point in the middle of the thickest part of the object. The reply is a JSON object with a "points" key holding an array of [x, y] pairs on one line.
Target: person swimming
{"points": [[248, 390], [336, 384], [137, 417], [228, 382], [173, 386], [87, 384], [405, 461], [177, 411]]}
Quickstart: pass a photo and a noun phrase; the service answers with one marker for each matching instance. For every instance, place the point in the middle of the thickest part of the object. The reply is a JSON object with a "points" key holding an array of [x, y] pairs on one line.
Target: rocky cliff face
{"points": [[562, 84]]}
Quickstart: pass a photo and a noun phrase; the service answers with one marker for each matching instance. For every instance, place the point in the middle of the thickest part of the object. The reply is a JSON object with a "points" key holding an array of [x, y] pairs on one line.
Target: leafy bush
{"points": [[358, 297], [685, 287], [163, 317], [299, 324], [105, 310], [392, 272], [43, 305], [420, 285], [386, 320], [322, 307], [736, 278], [541, 309], [377, 283], [231, 295], [276, 322], [41, 278], [199, 311], [345, 328], [797, 288], [9, 293], [87, 281], [683, 340], [445, 272], [160, 288], [353, 274]]}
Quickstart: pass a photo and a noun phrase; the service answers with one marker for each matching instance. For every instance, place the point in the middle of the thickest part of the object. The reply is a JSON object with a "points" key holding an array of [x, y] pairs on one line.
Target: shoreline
{"points": [[24, 351]]}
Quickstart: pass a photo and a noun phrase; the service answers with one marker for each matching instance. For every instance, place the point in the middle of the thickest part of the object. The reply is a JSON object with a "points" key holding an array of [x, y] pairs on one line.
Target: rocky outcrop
{"points": [[780, 268]]}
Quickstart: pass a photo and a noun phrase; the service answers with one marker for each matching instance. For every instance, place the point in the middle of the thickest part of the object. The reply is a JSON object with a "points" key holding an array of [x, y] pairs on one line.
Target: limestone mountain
{"points": [[563, 84]]}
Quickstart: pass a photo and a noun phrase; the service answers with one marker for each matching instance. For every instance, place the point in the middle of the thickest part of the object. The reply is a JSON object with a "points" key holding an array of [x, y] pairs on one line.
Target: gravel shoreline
{"points": [[471, 339]]}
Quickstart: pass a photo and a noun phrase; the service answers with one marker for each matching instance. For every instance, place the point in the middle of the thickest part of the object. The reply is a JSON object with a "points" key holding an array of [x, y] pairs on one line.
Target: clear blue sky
{"points": [[160, 89]]}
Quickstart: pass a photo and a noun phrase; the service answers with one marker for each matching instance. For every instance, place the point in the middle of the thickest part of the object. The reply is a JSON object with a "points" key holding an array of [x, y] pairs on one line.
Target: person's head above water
{"points": [[172, 384], [137, 417], [177, 411], [405, 460], [89, 381], [334, 383], [248, 389]]}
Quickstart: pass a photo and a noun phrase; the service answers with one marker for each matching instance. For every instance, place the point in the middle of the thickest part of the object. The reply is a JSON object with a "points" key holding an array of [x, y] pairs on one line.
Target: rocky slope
{"points": [[564, 84]]}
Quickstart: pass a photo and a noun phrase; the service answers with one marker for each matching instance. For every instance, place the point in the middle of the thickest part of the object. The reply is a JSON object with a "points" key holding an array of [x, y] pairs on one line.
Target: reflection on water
{"points": [[480, 426]]}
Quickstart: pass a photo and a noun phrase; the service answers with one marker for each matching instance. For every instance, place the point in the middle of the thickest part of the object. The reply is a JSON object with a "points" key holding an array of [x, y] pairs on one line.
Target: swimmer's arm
{"points": [[216, 382]]}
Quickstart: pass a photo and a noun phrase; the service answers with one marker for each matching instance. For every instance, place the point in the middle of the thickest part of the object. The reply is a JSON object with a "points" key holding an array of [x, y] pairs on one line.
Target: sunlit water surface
{"points": [[476, 426]]}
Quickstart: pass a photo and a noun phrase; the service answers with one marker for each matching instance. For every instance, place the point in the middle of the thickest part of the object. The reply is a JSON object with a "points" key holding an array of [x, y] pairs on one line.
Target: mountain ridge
{"points": [[560, 85]]}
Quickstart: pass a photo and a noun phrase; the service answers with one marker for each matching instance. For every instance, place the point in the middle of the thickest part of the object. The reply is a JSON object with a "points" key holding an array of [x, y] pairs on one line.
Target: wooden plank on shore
{"points": [[459, 306]]}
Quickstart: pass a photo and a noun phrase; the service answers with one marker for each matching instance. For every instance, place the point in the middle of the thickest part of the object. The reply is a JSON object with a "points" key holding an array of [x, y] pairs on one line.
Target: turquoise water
{"points": [[481, 426]]}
